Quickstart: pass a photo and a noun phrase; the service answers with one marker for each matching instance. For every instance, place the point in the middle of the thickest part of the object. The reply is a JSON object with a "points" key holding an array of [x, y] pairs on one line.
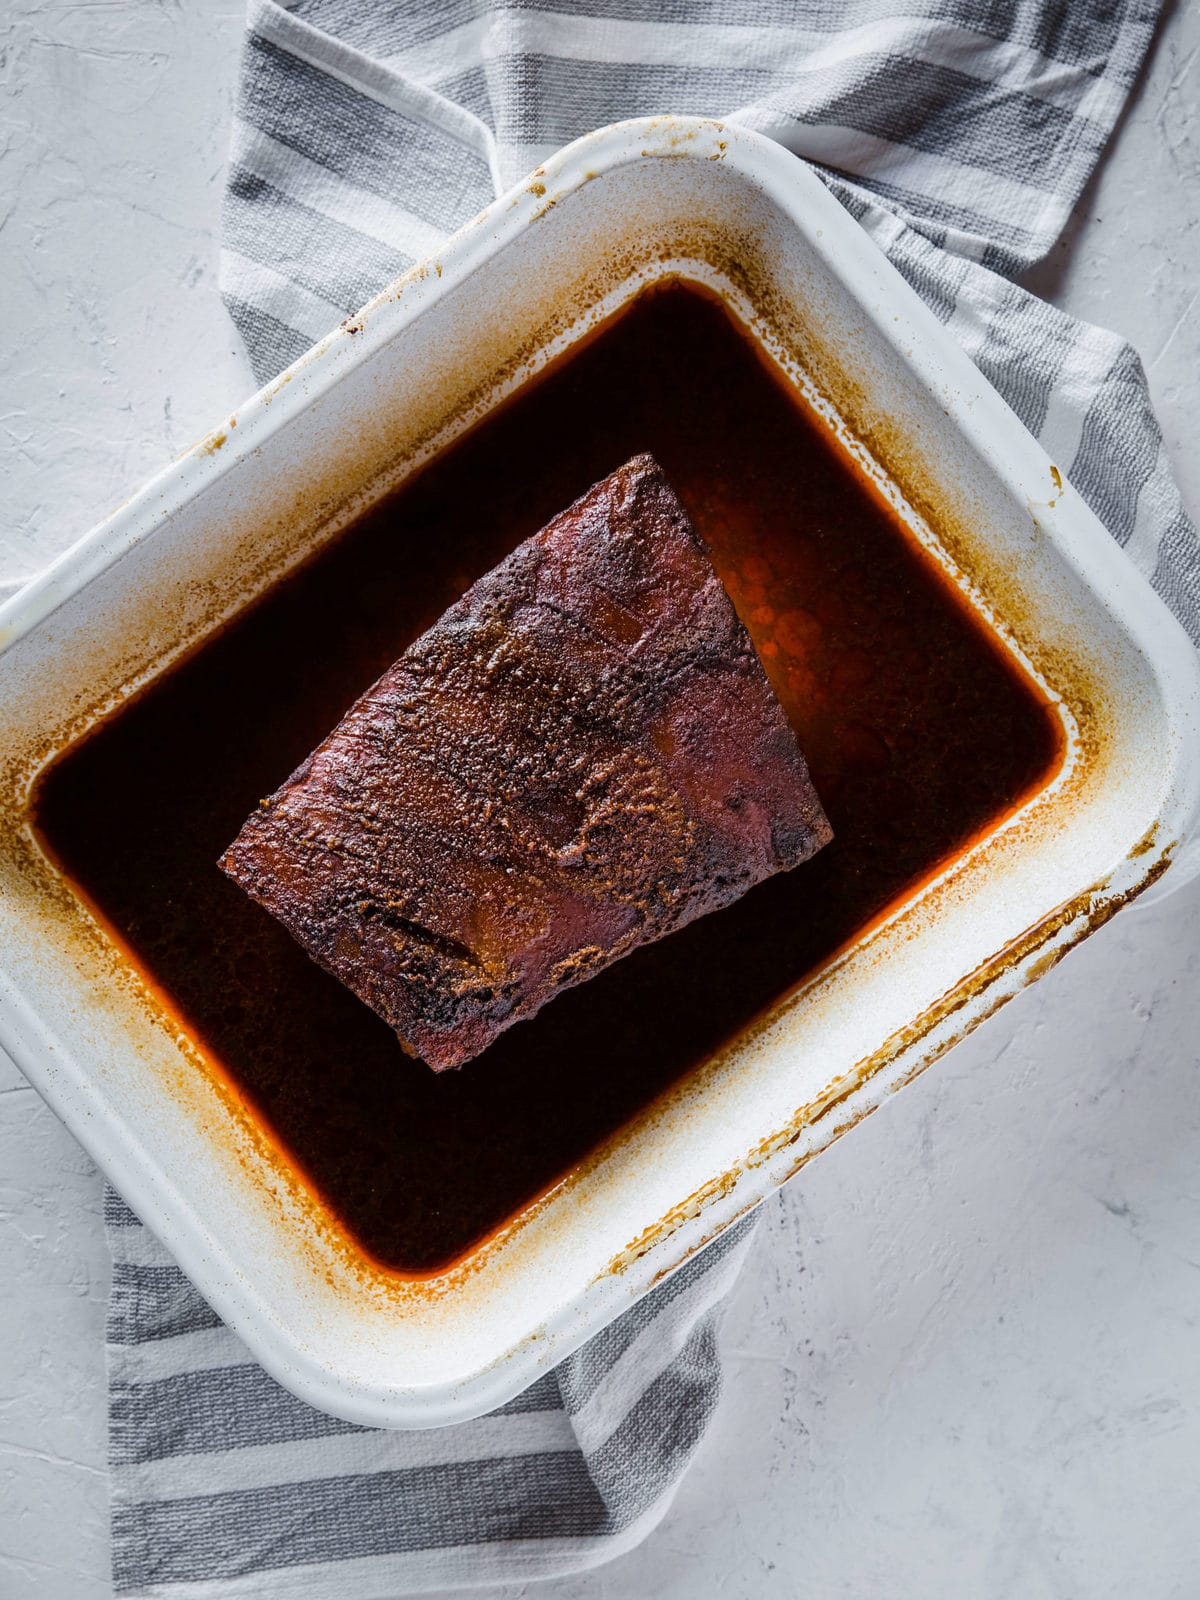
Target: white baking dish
{"points": [[615, 210]]}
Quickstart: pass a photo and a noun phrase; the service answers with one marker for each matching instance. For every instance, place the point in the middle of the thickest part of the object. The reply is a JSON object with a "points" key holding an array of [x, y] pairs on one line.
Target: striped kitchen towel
{"points": [[959, 133], [225, 1485]]}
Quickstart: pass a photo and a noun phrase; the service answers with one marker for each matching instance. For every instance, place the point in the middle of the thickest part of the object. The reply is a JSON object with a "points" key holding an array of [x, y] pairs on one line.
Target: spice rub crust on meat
{"points": [[582, 755]]}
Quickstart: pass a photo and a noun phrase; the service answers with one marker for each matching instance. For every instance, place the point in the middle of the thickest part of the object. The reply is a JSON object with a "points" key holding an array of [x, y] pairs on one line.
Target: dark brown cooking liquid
{"points": [[917, 730]]}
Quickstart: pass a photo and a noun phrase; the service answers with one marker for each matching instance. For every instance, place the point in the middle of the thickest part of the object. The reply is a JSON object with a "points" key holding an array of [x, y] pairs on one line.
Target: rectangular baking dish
{"points": [[363, 409]]}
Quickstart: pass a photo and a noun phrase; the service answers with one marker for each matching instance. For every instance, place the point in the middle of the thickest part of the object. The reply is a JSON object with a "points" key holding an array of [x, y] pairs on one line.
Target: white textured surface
{"points": [[966, 1358]]}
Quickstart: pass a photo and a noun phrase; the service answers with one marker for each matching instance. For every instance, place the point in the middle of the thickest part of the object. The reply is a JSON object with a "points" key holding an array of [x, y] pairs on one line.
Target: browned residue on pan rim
{"points": [[1078, 918]]}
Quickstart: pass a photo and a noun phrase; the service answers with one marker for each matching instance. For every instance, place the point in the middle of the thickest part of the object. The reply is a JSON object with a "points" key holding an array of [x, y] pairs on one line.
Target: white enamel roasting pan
{"points": [[366, 406]]}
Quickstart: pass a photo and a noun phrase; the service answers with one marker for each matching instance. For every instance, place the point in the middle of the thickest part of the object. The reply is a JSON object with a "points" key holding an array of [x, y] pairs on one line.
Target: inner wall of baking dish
{"points": [[421, 1167], [303, 480]]}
